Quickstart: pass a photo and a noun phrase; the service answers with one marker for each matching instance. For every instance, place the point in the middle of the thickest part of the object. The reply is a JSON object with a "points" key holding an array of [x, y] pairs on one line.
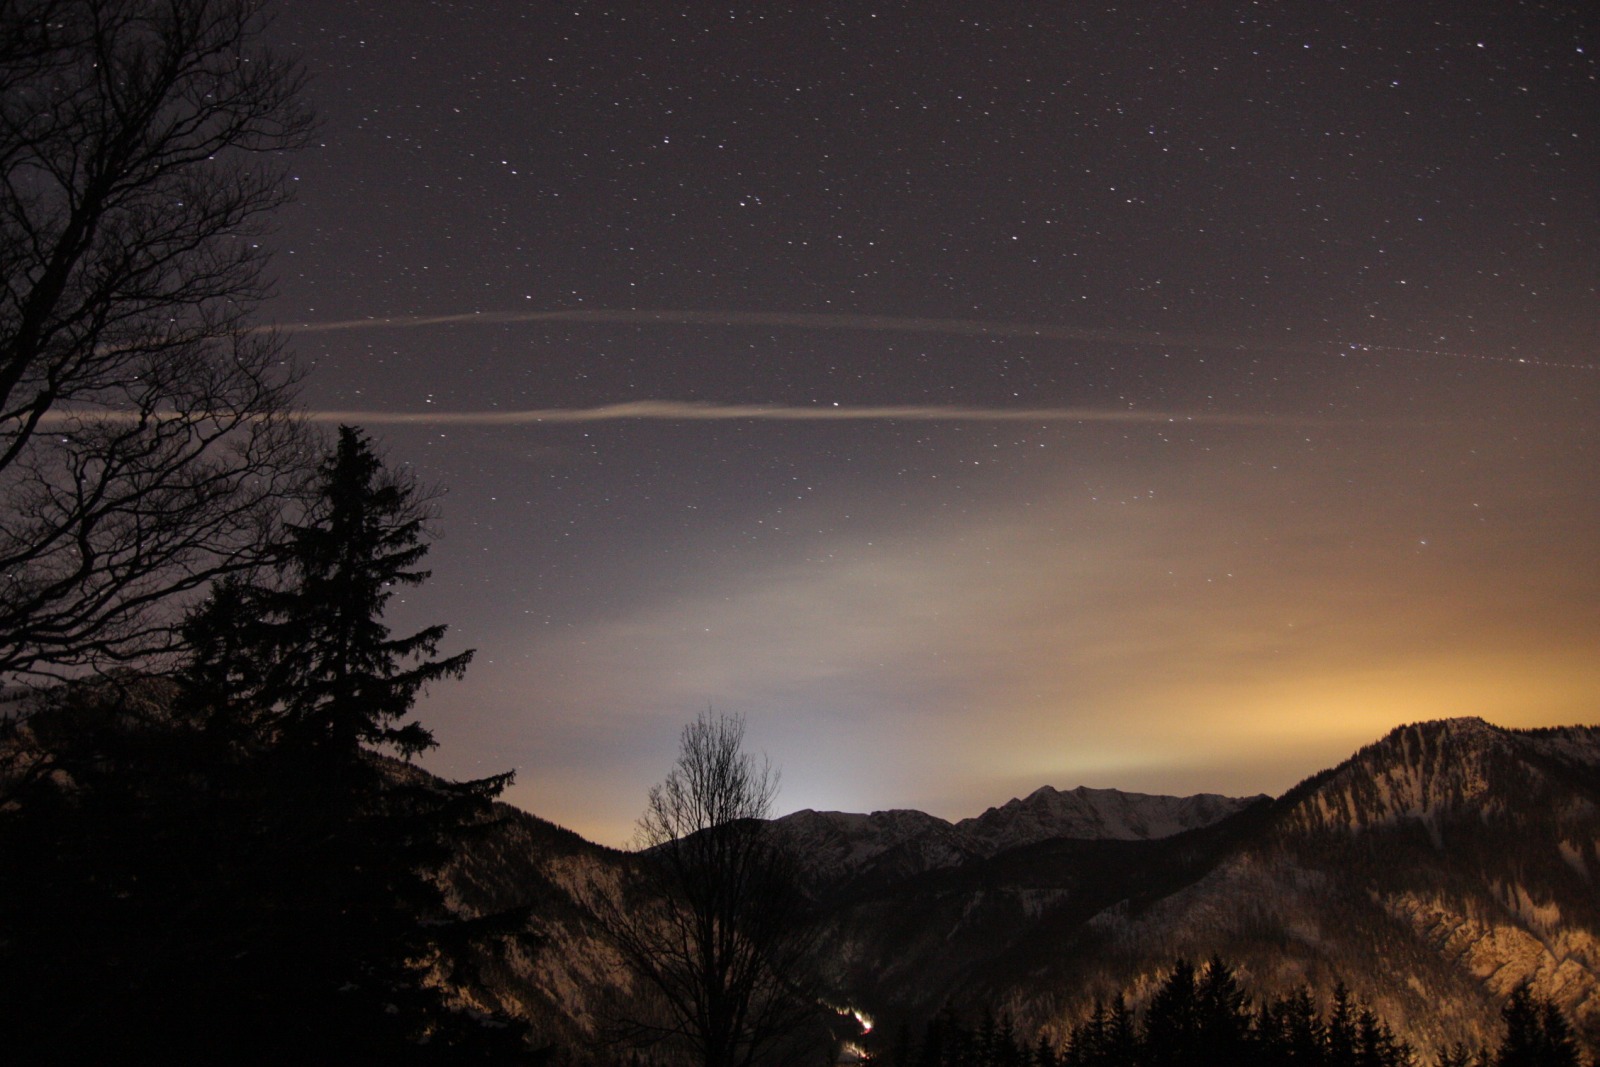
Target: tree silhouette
{"points": [[1089, 1043], [1342, 1028], [145, 439], [313, 681], [1376, 1045], [1536, 1033], [346, 682], [1222, 1016], [721, 940], [1108, 1038], [1290, 1030], [225, 862], [1171, 1022], [1560, 1044]]}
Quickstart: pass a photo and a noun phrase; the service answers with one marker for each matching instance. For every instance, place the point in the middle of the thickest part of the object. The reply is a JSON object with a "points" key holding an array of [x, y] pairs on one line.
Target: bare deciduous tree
{"points": [[146, 443], [722, 942]]}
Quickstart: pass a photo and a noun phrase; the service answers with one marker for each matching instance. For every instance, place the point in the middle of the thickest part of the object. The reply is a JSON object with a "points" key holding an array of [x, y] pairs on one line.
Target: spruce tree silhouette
{"points": [[227, 868], [1171, 1022], [346, 682], [1222, 1017], [353, 920], [1536, 1034]]}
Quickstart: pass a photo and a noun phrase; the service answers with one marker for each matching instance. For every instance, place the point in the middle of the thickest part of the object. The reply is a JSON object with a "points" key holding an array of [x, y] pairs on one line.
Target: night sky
{"points": [[1167, 396]]}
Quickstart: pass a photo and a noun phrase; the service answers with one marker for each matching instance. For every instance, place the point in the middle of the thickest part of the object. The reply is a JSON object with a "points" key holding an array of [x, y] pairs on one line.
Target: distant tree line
{"points": [[1204, 1018]]}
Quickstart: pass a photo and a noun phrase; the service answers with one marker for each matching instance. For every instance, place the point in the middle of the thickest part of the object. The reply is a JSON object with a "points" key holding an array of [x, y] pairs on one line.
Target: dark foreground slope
{"points": [[553, 970]]}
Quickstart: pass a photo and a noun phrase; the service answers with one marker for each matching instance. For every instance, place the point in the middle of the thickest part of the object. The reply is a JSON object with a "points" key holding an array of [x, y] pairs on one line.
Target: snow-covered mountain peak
{"points": [[1095, 814], [837, 847], [840, 846]]}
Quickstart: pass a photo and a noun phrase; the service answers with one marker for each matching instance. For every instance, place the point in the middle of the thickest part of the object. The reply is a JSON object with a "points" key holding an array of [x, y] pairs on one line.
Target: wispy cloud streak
{"points": [[700, 411], [794, 320], [909, 324], [692, 411]]}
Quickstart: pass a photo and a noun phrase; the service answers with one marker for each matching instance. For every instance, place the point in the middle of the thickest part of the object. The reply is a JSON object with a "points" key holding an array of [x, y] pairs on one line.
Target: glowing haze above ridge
{"points": [[1169, 399]]}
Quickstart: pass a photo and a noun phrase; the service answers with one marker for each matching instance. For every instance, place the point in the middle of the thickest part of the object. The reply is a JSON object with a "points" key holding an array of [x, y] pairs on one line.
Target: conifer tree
{"points": [[1171, 1022], [1289, 1030], [1376, 1045], [296, 686], [1222, 1016], [1089, 1044], [1536, 1033], [1560, 1045], [1520, 1047], [1122, 1039], [346, 681], [1305, 1035], [223, 683], [957, 1042], [1044, 1053], [1342, 1028], [1005, 1052], [986, 1042]]}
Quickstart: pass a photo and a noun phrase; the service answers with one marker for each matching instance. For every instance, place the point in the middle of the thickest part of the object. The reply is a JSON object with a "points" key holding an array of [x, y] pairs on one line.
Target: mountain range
{"points": [[842, 849], [1433, 872]]}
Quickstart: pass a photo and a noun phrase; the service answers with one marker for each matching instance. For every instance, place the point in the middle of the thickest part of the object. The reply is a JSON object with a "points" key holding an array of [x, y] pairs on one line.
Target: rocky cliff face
{"points": [[1430, 775], [1479, 847], [550, 967]]}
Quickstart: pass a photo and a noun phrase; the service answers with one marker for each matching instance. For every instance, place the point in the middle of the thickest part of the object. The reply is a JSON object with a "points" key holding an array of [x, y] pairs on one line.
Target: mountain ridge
{"points": [[1433, 871], [847, 848]]}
